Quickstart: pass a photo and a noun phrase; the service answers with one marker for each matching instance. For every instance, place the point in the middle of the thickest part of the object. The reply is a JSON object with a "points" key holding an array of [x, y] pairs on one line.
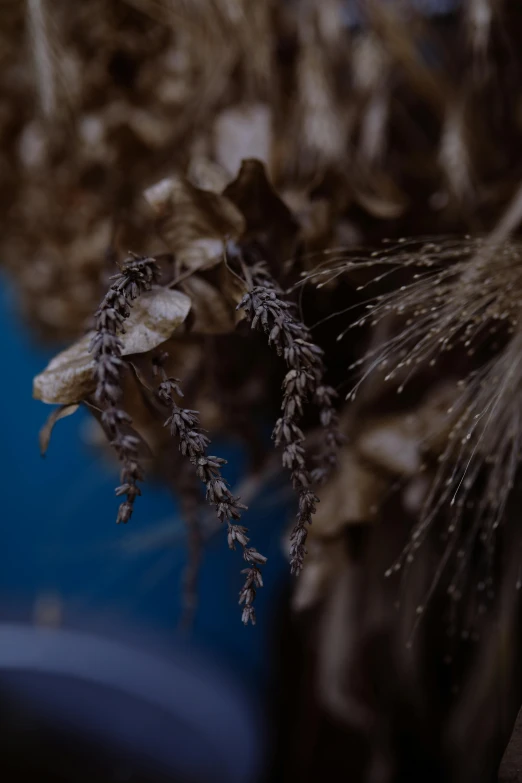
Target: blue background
{"points": [[59, 535]]}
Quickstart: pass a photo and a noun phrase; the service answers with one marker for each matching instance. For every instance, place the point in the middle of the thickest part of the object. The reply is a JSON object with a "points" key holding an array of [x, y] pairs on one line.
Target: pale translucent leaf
{"points": [[68, 376], [155, 316]]}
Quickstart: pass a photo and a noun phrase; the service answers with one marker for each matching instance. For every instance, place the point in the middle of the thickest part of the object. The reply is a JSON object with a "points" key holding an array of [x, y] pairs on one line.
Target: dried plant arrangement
{"points": [[139, 318], [301, 215]]}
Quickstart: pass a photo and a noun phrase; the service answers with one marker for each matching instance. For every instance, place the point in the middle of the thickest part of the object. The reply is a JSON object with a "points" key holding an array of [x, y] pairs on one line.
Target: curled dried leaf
{"points": [[268, 219], [194, 223], [68, 377], [46, 432], [154, 318], [214, 307]]}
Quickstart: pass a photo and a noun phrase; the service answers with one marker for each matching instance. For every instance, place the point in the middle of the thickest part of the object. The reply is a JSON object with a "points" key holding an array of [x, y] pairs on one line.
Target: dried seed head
{"points": [[464, 294], [184, 424], [266, 309], [137, 275]]}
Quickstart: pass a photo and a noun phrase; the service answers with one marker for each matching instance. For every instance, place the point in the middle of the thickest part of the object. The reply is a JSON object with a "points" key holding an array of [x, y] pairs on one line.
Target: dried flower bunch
{"points": [[335, 177], [258, 156], [143, 307]]}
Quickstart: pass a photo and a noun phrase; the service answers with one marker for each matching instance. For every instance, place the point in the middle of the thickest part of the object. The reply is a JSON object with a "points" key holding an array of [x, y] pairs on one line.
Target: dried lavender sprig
{"points": [[137, 275], [328, 459], [266, 310], [185, 425]]}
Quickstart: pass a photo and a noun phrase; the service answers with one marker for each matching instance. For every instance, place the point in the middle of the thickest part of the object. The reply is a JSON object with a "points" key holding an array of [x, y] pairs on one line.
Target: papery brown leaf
{"points": [[44, 436], [194, 223], [351, 496], [69, 376], [396, 443], [214, 306], [268, 219], [153, 319]]}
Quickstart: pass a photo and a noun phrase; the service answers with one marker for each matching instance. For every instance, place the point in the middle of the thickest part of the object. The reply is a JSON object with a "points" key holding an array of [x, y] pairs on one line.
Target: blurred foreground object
{"points": [[82, 706]]}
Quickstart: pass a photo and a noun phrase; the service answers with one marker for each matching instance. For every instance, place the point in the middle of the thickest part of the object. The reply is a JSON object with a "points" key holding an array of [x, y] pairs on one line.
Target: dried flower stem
{"points": [[304, 380], [185, 425], [137, 275]]}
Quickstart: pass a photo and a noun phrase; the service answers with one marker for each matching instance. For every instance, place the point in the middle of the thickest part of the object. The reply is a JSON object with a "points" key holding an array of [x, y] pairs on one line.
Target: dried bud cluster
{"points": [[138, 275], [327, 460], [185, 425], [266, 310]]}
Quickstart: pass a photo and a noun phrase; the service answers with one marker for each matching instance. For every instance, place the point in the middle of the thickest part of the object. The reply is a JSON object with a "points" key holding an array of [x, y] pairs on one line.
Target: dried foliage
{"points": [[356, 126], [229, 234], [258, 156]]}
